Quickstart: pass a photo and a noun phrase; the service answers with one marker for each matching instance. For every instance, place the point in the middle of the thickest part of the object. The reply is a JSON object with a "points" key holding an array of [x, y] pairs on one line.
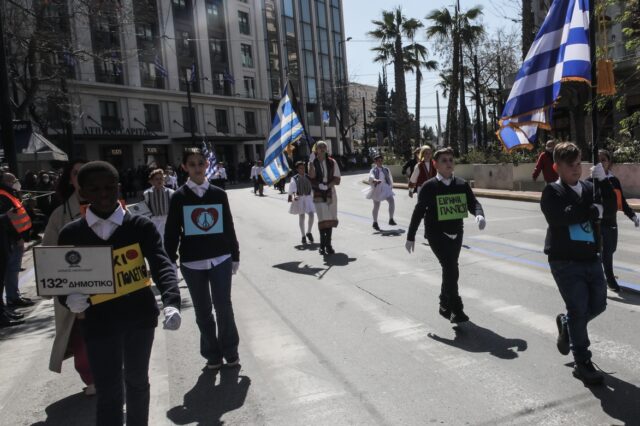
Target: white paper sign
{"points": [[140, 209], [64, 270]]}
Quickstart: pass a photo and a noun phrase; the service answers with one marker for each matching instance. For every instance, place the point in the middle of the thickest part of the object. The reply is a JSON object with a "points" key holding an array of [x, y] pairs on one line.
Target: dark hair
{"points": [[605, 153], [566, 152], [443, 151], [95, 167], [65, 189], [188, 152]]}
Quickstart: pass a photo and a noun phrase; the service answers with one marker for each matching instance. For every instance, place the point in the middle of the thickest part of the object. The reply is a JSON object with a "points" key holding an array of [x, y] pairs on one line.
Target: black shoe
{"points": [[392, 222], [586, 372], [310, 237], [458, 317], [5, 321], [613, 285], [445, 312], [330, 250], [322, 251], [20, 302], [14, 315], [375, 226], [304, 240], [563, 335]]}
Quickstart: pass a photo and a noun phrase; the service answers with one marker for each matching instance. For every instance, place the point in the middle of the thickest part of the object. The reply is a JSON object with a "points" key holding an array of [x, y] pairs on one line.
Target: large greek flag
{"points": [[560, 52], [285, 130], [209, 153]]}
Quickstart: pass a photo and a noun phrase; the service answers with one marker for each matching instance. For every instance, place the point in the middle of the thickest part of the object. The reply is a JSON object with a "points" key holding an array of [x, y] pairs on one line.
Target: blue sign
{"points": [[581, 232], [203, 219]]}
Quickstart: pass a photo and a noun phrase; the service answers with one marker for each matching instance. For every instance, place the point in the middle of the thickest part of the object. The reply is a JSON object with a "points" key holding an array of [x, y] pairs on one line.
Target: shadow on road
{"points": [[473, 338], [206, 402], [390, 232], [309, 246], [626, 297], [73, 410], [299, 268]]}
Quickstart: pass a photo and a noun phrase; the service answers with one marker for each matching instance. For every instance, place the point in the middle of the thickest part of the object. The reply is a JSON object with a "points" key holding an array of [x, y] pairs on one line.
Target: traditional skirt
{"points": [[303, 205], [327, 211]]}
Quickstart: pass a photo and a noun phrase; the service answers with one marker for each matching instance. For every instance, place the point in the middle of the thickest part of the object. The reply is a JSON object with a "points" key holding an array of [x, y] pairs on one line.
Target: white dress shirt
{"points": [[204, 264], [104, 228], [446, 181]]}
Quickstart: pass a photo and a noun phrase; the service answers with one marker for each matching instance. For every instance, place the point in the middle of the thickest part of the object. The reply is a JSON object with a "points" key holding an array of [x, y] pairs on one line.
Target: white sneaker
{"points": [[90, 390]]}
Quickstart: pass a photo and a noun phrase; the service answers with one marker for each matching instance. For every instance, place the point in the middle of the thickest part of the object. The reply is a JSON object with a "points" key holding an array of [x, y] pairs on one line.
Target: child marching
{"points": [[381, 189], [119, 328], [571, 210], [445, 201], [200, 229], [425, 169], [301, 199], [609, 223], [325, 175], [157, 199]]}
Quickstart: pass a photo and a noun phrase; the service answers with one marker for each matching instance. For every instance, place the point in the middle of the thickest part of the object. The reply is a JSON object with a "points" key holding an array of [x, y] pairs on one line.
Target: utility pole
{"points": [[6, 118], [364, 121], [191, 117], [463, 104], [477, 84], [438, 108], [499, 87]]}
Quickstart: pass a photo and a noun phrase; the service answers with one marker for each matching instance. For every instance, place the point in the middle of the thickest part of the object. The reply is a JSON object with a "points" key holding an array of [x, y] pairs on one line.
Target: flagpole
{"points": [[296, 108], [594, 81]]}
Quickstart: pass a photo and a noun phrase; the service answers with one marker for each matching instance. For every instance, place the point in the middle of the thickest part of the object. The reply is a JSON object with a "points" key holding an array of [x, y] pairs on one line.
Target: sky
{"points": [[358, 15]]}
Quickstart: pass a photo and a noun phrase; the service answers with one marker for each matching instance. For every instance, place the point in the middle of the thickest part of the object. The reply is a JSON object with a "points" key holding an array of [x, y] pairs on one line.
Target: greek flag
{"points": [[210, 155], [285, 130], [159, 67], [560, 52], [193, 73]]}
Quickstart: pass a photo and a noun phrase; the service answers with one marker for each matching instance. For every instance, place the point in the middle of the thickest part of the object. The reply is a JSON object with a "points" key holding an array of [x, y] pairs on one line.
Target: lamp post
{"points": [[342, 85]]}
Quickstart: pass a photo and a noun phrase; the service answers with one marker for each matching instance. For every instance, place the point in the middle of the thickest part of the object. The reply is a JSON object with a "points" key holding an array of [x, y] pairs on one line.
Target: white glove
{"points": [[234, 268], [323, 187], [597, 172], [172, 318], [312, 157], [481, 221], [600, 210], [77, 302], [410, 246], [636, 220]]}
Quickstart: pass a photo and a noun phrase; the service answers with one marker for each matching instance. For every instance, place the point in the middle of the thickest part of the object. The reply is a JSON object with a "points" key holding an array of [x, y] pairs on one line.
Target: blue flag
{"points": [[210, 155], [560, 52]]}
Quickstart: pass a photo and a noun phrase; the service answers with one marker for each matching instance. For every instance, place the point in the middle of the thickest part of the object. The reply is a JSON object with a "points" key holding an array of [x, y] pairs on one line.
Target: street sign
{"points": [[64, 270]]}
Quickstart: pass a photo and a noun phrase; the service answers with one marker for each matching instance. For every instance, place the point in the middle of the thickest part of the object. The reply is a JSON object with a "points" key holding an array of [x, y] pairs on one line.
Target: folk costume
{"points": [[381, 189], [158, 202], [444, 202], [325, 174], [256, 177], [301, 199], [421, 173]]}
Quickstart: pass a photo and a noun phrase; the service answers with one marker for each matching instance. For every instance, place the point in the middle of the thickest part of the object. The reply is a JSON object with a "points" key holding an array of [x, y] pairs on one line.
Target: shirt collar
{"points": [[116, 217], [192, 185], [444, 180]]}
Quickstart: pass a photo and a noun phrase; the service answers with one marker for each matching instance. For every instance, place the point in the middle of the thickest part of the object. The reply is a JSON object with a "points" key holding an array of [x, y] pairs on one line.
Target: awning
{"points": [[43, 148]]}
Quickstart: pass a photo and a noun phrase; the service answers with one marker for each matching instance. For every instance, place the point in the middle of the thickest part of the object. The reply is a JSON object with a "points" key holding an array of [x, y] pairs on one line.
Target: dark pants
{"points": [[447, 251], [108, 355], [212, 288], [584, 292], [609, 246]]}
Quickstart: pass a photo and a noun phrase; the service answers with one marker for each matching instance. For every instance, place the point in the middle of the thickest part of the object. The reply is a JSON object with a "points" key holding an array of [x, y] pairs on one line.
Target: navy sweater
{"points": [[427, 207], [199, 245], [569, 215], [138, 309]]}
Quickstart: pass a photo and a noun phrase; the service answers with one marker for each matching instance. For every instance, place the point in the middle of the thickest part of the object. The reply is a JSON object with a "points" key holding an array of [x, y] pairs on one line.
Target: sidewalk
{"points": [[530, 196]]}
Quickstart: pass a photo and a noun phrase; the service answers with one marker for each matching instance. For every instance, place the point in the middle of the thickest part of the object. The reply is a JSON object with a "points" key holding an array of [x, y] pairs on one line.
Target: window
{"points": [[109, 115], [243, 23], [247, 56], [213, 11], [180, 3], [250, 87], [221, 121], [185, 40], [218, 53], [152, 117], [186, 120], [145, 32], [250, 121]]}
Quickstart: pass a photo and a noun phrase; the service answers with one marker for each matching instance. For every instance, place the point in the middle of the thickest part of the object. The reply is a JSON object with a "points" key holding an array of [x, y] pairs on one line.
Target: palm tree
{"points": [[415, 57], [389, 31], [458, 30]]}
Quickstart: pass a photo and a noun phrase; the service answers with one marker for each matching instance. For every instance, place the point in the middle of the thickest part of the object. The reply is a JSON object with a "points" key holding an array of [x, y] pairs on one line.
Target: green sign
{"points": [[451, 206]]}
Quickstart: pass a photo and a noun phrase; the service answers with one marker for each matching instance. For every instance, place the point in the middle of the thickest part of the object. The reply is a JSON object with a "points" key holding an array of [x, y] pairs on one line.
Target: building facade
{"points": [[133, 63]]}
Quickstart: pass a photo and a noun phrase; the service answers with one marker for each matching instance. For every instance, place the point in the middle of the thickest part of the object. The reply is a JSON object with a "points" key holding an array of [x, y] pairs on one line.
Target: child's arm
{"points": [[230, 230], [559, 210], [473, 205], [172, 228], [418, 212], [162, 271]]}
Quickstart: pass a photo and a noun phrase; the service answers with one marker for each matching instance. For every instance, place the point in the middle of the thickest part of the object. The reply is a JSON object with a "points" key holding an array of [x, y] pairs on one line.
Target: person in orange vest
{"points": [[8, 318], [21, 222]]}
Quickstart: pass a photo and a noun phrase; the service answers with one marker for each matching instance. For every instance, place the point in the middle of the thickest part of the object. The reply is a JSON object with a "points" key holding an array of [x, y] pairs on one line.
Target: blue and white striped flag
{"points": [[157, 63], [560, 52], [285, 130], [210, 155]]}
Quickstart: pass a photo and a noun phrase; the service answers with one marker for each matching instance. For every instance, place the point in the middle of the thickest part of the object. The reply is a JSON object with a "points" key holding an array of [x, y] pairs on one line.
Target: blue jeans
{"points": [[12, 273], [108, 354], [209, 289], [584, 291]]}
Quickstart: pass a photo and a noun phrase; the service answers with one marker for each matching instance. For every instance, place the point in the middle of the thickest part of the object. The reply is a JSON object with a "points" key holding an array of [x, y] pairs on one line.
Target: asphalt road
{"points": [[356, 338]]}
